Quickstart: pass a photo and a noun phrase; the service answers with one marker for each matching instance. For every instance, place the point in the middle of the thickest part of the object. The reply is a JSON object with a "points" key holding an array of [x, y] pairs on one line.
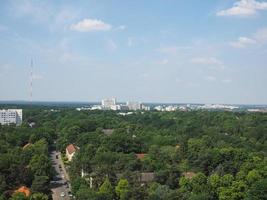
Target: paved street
{"points": [[59, 183]]}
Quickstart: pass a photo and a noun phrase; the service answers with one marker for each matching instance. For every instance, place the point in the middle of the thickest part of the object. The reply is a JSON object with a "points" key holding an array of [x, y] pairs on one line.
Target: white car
{"points": [[62, 194], [70, 195]]}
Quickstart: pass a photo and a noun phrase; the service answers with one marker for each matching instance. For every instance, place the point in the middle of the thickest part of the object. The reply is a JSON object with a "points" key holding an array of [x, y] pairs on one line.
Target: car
{"points": [[53, 181], [70, 195], [56, 156], [62, 176], [62, 194]]}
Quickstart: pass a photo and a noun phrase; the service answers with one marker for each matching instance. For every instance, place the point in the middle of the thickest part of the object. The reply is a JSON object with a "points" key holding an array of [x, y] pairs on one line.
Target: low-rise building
{"points": [[24, 190], [108, 132], [189, 175], [140, 156], [70, 151]]}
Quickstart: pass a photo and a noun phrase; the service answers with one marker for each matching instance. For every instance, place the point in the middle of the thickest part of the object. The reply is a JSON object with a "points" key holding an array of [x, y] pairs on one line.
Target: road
{"points": [[59, 183]]}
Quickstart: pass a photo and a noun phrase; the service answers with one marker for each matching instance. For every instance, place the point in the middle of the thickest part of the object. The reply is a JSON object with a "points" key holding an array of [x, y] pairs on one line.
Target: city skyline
{"points": [[152, 51]]}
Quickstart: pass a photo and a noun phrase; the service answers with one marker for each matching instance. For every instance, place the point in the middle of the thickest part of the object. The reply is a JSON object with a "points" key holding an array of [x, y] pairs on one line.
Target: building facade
{"points": [[134, 105], [70, 151], [11, 116], [109, 103]]}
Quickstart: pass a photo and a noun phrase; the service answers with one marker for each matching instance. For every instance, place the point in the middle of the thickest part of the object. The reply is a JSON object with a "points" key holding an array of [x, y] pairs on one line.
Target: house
{"points": [[70, 151], [140, 156], [108, 132], [189, 175], [26, 191]]}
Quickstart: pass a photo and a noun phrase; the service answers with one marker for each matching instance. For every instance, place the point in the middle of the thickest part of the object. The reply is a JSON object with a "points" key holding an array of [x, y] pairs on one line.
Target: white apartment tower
{"points": [[109, 103], [134, 105], [11, 116]]}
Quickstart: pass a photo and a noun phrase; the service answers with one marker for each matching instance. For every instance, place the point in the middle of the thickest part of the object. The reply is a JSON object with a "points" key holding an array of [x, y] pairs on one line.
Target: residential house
{"points": [[70, 151], [26, 191]]}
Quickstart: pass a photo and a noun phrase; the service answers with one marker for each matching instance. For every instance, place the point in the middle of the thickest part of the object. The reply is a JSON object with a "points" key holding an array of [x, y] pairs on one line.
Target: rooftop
{"points": [[71, 148], [24, 190]]}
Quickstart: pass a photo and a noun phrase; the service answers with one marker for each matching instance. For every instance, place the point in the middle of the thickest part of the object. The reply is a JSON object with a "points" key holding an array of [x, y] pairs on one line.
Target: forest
{"points": [[194, 155]]}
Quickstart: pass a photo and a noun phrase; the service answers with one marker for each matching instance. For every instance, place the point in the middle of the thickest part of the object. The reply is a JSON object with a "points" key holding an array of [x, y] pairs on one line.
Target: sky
{"points": [[169, 51]]}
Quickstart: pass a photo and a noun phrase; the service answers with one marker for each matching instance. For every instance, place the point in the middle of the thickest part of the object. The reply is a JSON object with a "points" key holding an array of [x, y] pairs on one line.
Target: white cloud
{"points": [[258, 38], [121, 27], [130, 42], [164, 61], [6, 67], [37, 11], [171, 50], [226, 81], [242, 42], [210, 78], [45, 14], [87, 25], [37, 76], [144, 75], [211, 61], [168, 50], [261, 36], [178, 80], [244, 8], [111, 46], [3, 28]]}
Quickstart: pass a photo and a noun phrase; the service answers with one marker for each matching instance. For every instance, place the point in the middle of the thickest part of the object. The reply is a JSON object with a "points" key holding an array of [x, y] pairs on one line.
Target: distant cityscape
{"points": [[14, 116], [112, 104]]}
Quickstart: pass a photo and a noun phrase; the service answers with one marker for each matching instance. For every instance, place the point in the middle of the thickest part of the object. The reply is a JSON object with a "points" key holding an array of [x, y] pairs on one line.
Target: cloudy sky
{"points": [[212, 51]]}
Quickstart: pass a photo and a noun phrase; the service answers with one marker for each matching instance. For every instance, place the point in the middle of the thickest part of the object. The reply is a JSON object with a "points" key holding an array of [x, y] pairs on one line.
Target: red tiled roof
{"points": [[24, 190], [71, 148], [140, 156]]}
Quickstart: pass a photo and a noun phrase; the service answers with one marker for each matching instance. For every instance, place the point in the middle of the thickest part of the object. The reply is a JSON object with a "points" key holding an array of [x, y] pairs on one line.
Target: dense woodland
{"points": [[225, 153]]}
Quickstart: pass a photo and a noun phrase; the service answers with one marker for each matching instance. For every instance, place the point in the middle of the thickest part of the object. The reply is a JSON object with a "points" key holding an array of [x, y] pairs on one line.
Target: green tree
{"points": [[234, 192], [122, 189], [106, 189], [85, 193], [253, 176], [214, 180], [227, 180], [18, 196], [40, 165], [40, 184], [258, 191], [39, 196]]}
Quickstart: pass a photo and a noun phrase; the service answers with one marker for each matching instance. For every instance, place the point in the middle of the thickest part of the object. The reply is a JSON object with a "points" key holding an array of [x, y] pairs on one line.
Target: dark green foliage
{"points": [[258, 190], [40, 184], [225, 150]]}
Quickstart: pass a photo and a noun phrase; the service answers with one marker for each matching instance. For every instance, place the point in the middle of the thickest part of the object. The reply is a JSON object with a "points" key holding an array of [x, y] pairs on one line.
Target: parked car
{"points": [[62, 194], [70, 194]]}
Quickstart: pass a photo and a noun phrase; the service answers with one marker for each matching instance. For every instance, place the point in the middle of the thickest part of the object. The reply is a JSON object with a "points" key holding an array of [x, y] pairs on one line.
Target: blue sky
{"points": [[212, 51]]}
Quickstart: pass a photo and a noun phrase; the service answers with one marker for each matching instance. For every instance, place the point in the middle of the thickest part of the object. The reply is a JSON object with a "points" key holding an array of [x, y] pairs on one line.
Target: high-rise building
{"points": [[108, 103], [134, 105], [11, 116]]}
